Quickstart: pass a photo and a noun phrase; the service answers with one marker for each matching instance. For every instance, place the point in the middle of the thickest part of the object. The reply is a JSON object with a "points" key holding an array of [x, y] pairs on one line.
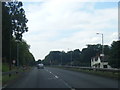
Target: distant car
{"points": [[40, 66]]}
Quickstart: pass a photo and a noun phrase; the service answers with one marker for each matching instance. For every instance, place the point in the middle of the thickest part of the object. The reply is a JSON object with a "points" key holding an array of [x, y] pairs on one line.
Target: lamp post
{"points": [[102, 44]]}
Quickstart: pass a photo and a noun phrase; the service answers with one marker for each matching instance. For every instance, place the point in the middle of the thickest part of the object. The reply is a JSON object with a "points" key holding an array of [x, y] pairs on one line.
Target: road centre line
{"points": [[56, 77], [60, 79], [66, 84], [52, 73]]}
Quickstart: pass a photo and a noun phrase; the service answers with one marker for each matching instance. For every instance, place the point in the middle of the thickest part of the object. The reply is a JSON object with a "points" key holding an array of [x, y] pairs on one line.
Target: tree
{"points": [[13, 21], [76, 57], [18, 19], [6, 32], [114, 54], [13, 26], [107, 49], [38, 61]]}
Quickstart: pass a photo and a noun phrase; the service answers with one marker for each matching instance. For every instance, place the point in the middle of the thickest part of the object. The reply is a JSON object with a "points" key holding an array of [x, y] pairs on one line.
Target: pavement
{"points": [[60, 78]]}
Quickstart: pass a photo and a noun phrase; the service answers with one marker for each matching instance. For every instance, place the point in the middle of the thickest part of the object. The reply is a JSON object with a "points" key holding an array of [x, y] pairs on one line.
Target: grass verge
{"points": [[99, 73], [6, 79], [5, 67]]}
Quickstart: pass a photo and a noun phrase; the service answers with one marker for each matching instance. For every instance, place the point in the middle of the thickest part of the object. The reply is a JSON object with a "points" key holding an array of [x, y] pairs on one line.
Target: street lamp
{"points": [[102, 44]]}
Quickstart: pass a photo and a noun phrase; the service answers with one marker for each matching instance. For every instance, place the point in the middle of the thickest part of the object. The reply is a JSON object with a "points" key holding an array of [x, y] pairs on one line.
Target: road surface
{"points": [[59, 78]]}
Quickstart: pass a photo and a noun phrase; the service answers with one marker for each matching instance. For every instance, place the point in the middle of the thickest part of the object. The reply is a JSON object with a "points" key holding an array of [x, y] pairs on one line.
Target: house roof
{"points": [[102, 58]]}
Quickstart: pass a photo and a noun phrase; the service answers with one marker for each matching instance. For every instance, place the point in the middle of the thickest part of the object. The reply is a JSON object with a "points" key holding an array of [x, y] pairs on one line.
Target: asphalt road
{"points": [[59, 78]]}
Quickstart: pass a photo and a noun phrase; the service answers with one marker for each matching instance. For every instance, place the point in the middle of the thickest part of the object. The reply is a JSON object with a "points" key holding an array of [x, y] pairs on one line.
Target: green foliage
{"points": [[18, 18], [6, 78], [5, 67], [76, 57], [13, 26], [114, 54], [38, 61], [6, 31]]}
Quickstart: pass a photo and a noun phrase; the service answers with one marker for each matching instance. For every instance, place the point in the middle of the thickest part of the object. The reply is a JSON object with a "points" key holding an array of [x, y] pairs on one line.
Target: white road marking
{"points": [[66, 84], [56, 76], [60, 79], [52, 74]]}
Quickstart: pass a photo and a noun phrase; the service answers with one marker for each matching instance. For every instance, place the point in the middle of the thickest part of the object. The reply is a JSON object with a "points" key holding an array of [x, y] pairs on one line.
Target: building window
{"points": [[104, 66], [99, 65], [96, 58]]}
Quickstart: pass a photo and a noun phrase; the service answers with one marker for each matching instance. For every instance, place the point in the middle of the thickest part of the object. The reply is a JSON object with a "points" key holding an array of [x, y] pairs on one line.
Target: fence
{"points": [[14, 72]]}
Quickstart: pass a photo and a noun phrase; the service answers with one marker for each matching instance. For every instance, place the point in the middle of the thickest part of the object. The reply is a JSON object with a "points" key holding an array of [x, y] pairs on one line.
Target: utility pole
{"points": [[102, 44]]}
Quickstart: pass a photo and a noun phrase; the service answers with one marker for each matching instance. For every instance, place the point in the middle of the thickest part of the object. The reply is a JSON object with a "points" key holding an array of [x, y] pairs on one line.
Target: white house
{"points": [[99, 62]]}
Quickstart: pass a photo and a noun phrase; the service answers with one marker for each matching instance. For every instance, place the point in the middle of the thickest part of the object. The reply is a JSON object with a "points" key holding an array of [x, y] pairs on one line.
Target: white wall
{"points": [[98, 63]]}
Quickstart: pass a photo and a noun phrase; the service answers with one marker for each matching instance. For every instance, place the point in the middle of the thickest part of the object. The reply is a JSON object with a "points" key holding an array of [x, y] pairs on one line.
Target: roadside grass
{"points": [[94, 72], [100, 73], [0, 74], [6, 79], [0, 66], [5, 67], [0, 79]]}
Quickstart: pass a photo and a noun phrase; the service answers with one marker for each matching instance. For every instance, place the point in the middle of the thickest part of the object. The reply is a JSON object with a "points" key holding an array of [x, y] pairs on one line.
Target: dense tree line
{"points": [[75, 57], [13, 26], [83, 57], [114, 60]]}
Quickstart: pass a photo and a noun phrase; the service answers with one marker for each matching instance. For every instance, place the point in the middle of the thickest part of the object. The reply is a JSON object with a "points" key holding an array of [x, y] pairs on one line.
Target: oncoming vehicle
{"points": [[40, 66]]}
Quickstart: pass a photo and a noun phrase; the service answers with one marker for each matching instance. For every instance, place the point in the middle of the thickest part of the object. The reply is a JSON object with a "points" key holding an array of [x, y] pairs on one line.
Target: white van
{"points": [[40, 66]]}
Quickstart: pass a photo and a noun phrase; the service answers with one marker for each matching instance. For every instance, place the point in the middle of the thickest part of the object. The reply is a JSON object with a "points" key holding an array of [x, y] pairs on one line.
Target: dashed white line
{"points": [[56, 77], [51, 73], [66, 84], [72, 89], [60, 79]]}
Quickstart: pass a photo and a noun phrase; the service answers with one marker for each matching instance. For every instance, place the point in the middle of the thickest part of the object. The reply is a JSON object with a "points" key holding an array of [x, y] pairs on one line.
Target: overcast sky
{"points": [[62, 24]]}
